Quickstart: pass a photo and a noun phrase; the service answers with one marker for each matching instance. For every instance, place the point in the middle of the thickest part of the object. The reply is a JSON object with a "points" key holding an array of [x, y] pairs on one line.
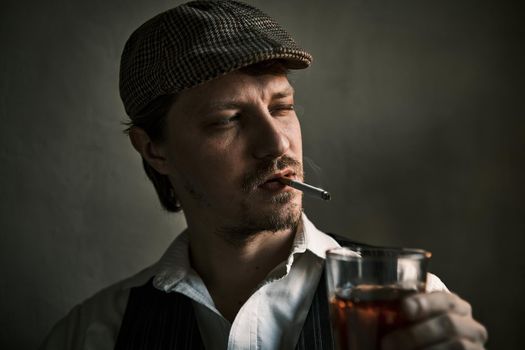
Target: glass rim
{"points": [[354, 253]]}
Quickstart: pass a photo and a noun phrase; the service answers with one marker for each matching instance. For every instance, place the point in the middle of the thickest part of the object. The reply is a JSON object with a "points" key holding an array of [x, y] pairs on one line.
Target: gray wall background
{"points": [[412, 117]]}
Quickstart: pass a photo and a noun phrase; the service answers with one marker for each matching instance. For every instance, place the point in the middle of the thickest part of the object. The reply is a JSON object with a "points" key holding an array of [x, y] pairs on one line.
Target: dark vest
{"points": [[156, 320]]}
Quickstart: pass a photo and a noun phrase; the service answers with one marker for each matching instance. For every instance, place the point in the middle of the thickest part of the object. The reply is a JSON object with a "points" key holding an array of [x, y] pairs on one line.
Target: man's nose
{"points": [[270, 137]]}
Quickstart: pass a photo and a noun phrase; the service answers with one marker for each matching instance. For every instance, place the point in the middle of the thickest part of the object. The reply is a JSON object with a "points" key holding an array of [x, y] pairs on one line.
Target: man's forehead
{"points": [[234, 89]]}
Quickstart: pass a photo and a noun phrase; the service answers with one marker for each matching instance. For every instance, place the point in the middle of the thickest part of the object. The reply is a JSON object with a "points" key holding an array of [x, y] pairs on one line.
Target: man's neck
{"points": [[232, 272]]}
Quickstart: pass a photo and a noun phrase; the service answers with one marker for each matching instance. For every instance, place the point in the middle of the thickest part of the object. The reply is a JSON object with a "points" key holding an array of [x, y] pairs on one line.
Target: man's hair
{"points": [[152, 119]]}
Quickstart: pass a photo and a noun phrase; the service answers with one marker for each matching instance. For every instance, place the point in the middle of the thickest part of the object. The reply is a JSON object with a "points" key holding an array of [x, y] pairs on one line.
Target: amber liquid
{"points": [[363, 315]]}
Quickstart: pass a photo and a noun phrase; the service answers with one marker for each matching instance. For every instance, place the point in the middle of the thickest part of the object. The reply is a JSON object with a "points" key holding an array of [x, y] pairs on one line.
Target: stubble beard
{"points": [[283, 212]]}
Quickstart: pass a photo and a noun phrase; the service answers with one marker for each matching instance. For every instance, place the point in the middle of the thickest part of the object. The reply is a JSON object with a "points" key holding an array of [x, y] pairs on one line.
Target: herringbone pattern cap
{"points": [[198, 41]]}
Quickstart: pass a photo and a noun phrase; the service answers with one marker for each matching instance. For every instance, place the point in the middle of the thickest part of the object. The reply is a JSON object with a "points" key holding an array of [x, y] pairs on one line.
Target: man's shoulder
{"points": [[96, 321], [115, 294]]}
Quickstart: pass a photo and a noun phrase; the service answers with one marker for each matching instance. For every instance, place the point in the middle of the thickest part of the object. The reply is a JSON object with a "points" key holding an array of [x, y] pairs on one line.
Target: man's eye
{"points": [[282, 109], [227, 121]]}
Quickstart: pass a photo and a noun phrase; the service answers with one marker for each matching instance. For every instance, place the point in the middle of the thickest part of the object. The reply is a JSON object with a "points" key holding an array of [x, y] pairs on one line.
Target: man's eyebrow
{"points": [[221, 105], [234, 104], [283, 93]]}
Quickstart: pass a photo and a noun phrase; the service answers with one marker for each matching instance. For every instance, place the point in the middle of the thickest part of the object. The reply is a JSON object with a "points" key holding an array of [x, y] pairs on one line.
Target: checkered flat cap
{"points": [[198, 41]]}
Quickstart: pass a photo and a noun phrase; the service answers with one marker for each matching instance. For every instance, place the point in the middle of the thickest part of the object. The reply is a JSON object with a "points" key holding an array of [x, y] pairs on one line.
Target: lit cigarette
{"points": [[308, 189]]}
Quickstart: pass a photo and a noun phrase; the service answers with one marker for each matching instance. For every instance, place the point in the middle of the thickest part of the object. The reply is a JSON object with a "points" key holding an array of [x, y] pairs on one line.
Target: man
{"points": [[212, 115]]}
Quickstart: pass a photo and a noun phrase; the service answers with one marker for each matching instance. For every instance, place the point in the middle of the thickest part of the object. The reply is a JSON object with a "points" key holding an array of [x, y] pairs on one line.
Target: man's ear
{"points": [[152, 153]]}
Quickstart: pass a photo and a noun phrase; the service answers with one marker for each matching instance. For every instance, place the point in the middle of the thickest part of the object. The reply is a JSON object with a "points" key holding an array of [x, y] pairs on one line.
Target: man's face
{"points": [[226, 140]]}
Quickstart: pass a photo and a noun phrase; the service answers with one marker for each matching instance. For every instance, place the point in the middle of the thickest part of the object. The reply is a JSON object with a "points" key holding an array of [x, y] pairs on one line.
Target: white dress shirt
{"points": [[272, 318]]}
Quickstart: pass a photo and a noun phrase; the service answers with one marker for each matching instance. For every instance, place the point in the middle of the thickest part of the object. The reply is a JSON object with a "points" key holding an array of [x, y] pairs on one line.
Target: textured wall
{"points": [[411, 118]]}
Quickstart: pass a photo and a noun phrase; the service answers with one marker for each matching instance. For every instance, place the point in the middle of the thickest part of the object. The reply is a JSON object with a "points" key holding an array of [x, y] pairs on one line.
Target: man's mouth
{"points": [[288, 173], [272, 182], [266, 175]]}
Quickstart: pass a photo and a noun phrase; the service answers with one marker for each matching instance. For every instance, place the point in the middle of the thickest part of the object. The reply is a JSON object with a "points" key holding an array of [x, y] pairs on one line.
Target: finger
{"points": [[438, 329], [425, 305], [457, 344]]}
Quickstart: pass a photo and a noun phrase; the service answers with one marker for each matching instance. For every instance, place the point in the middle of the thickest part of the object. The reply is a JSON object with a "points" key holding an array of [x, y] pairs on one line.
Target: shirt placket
{"points": [[244, 331]]}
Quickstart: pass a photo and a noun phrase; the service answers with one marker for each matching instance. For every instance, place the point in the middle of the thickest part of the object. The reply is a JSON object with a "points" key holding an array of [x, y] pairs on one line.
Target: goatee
{"points": [[286, 215]]}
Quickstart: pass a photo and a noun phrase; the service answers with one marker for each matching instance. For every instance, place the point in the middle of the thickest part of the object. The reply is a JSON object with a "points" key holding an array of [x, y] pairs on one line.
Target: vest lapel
{"points": [[155, 320], [317, 333]]}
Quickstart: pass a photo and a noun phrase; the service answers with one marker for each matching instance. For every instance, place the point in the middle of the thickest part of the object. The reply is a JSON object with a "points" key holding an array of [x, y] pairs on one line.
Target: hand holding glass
{"points": [[365, 289]]}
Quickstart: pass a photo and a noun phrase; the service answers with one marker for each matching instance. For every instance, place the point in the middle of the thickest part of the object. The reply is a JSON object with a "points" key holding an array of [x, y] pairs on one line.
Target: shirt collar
{"points": [[309, 238], [316, 241], [175, 266]]}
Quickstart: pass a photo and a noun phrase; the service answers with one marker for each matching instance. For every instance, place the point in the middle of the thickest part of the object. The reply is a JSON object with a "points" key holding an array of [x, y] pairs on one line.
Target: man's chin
{"points": [[285, 219], [282, 213], [273, 217]]}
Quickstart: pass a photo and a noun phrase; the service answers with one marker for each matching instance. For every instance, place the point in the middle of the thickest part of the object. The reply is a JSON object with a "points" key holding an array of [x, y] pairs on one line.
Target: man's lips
{"points": [[272, 182], [269, 171], [288, 173]]}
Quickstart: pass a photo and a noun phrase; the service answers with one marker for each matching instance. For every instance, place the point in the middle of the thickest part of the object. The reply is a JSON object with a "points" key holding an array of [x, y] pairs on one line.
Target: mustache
{"points": [[269, 167]]}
